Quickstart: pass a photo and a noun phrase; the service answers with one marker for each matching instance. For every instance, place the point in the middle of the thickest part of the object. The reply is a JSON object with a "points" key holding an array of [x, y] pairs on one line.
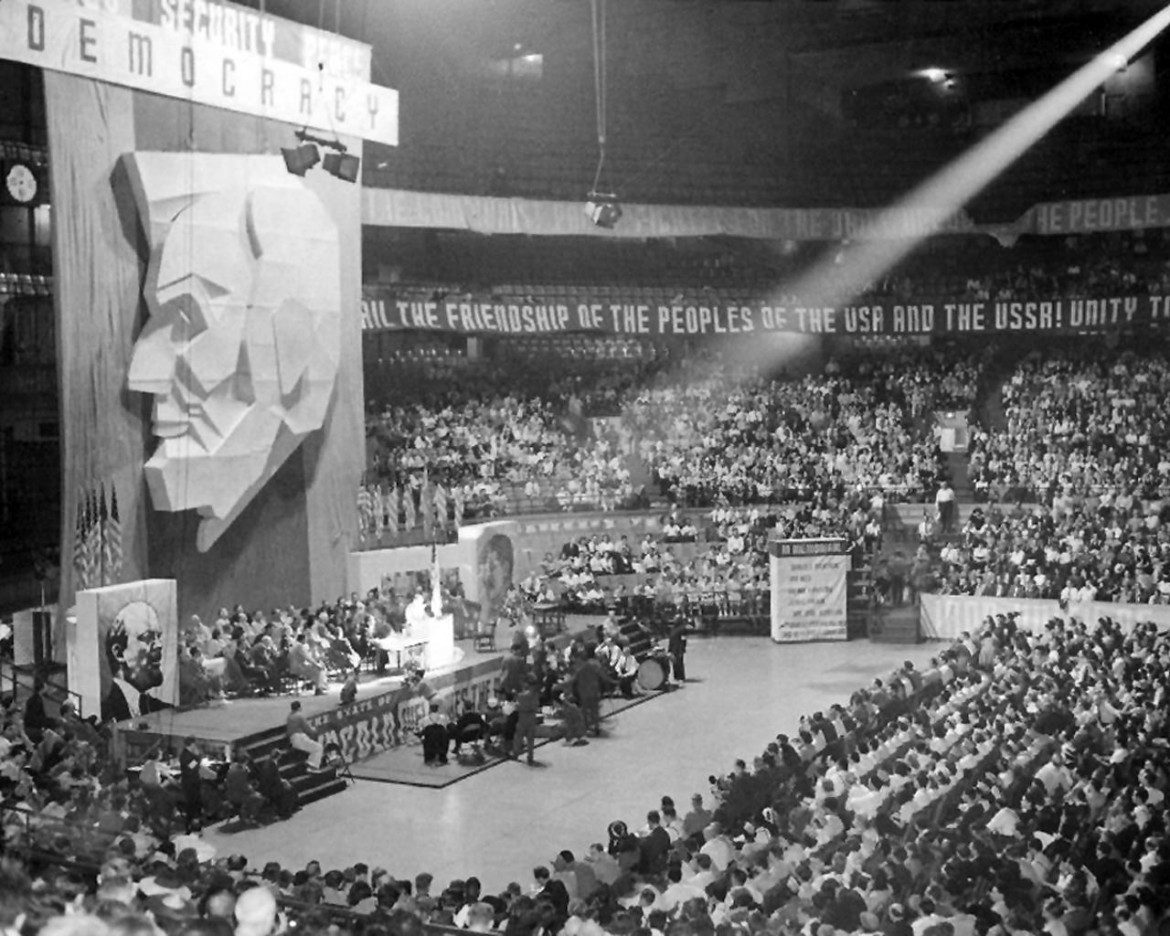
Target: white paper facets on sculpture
{"points": [[242, 346]]}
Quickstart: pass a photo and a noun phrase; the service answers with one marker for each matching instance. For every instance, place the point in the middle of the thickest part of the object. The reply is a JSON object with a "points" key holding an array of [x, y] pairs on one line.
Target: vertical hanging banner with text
{"points": [[808, 589]]}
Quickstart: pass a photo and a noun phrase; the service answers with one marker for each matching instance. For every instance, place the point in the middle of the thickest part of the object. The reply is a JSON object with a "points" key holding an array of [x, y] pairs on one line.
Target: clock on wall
{"points": [[21, 183]]}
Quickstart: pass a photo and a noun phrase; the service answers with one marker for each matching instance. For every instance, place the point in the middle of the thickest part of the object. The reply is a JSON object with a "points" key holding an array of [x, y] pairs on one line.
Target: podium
{"points": [[428, 640], [438, 634]]}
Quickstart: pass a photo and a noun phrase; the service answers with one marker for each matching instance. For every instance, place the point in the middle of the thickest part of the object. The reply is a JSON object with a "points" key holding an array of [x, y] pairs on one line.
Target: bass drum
{"points": [[651, 674]]}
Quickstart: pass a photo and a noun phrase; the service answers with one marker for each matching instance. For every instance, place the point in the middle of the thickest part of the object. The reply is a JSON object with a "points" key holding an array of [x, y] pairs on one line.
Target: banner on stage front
{"points": [[808, 578]]}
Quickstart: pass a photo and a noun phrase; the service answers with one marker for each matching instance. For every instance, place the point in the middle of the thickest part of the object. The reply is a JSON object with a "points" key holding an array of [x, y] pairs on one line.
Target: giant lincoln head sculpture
{"points": [[242, 345]]}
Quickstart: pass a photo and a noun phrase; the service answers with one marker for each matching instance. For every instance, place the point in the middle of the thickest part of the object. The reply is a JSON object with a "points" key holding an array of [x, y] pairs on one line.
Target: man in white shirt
{"points": [[718, 846], [944, 502]]}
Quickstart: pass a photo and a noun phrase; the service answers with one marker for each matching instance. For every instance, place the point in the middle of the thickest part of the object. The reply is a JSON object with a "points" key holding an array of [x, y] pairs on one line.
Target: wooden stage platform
{"points": [[383, 717], [236, 721]]}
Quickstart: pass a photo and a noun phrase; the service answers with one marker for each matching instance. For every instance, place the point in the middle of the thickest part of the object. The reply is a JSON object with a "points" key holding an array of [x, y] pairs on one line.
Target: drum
{"points": [[651, 673]]}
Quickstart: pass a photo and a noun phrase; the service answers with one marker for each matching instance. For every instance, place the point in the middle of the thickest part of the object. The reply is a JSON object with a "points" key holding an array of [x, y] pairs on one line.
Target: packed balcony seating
{"points": [[702, 566], [1082, 422], [1083, 555], [1078, 483], [731, 271], [861, 425], [1014, 785]]}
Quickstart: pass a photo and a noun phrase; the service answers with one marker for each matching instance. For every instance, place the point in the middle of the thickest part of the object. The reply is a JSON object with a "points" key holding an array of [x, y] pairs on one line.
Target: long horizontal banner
{"points": [[1095, 214], [248, 30], [532, 217], [384, 310], [187, 55], [484, 214], [945, 617]]}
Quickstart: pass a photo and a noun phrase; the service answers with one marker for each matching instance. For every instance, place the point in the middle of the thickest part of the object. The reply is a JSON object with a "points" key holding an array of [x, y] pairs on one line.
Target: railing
{"points": [[37, 837], [15, 672], [514, 503]]}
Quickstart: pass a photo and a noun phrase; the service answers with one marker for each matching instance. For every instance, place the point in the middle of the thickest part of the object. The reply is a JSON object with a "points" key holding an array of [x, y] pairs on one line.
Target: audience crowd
{"points": [[1013, 786], [702, 563], [1080, 462], [717, 435]]}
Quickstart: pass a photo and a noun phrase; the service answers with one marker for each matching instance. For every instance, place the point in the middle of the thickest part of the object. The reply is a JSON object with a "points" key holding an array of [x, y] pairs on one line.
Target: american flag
{"points": [[80, 538], [441, 506], [112, 541], [408, 509], [93, 540], [379, 511], [458, 497], [426, 506], [365, 507], [392, 504]]}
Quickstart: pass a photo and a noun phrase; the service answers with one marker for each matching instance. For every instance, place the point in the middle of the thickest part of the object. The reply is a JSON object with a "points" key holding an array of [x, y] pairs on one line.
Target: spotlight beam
{"points": [[944, 193]]}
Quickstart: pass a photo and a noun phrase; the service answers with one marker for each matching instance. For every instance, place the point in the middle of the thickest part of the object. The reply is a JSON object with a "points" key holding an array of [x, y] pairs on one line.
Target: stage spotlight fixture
{"points": [[300, 159], [603, 210], [342, 165]]}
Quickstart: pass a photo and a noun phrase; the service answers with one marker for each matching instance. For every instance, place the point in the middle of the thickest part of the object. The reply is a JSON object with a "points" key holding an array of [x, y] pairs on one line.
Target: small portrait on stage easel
{"points": [[135, 664]]}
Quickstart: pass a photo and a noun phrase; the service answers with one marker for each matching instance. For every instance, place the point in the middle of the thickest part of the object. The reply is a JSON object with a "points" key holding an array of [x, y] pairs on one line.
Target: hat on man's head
{"points": [[169, 907]]}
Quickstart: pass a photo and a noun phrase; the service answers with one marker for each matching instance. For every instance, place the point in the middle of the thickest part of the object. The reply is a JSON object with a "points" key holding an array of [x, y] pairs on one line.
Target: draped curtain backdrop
{"points": [[289, 546]]}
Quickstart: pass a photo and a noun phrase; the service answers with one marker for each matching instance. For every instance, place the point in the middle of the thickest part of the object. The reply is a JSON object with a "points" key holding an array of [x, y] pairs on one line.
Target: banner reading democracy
{"points": [[386, 310], [212, 53]]}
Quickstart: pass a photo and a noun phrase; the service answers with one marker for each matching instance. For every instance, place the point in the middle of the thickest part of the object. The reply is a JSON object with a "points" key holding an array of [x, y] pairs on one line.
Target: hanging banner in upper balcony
{"points": [[385, 309], [207, 52]]}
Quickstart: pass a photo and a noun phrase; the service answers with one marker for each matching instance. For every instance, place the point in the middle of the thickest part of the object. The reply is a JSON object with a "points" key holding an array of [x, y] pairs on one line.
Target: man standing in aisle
{"points": [[527, 708], [944, 500], [191, 782], [676, 646], [589, 682], [302, 737]]}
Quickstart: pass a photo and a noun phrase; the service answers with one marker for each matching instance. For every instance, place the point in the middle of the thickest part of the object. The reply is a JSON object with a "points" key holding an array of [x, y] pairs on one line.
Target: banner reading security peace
{"points": [[207, 53], [385, 309]]}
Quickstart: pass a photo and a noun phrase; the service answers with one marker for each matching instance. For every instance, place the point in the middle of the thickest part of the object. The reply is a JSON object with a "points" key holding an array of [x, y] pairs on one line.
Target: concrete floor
{"points": [[499, 824]]}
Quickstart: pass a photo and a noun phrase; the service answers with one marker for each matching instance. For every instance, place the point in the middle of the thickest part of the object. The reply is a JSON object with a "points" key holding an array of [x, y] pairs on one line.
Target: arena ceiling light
{"points": [[603, 209], [300, 159], [344, 166], [339, 163]]}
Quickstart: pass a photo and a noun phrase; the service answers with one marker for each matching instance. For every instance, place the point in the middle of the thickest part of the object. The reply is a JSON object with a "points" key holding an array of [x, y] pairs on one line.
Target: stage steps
{"points": [[310, 786], [896, 626], [959, 470]]}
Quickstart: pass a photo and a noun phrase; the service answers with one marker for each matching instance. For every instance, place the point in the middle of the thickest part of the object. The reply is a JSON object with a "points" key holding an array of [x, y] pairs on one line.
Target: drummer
{"points": [[625, 669]]}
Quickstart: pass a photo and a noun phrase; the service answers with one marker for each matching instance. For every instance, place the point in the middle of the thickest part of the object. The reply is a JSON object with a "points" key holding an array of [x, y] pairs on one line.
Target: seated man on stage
{"points": [[303, 664], [471, 728]]}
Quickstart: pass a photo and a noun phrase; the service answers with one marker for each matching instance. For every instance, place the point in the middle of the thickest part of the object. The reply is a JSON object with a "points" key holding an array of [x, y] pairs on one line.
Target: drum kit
{"points": [[654, 670]]}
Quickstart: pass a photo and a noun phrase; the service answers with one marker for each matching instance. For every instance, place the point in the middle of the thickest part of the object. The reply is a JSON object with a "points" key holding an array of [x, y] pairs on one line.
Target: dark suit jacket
{"points": [[654, 847], [116, 708], [556, 891]]}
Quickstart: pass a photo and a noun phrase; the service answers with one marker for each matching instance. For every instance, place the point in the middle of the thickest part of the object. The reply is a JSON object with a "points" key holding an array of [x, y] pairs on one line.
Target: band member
{"points": [[676, 646], [625, 670]]}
